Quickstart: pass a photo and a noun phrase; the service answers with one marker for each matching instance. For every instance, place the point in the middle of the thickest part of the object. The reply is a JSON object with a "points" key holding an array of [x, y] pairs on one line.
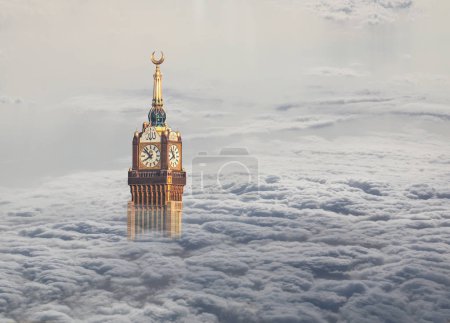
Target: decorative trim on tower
{"points": [[157, 115]]}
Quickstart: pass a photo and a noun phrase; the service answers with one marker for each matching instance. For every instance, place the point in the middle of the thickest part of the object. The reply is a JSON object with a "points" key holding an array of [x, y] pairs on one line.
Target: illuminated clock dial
{"points": [[150, 156], [174, 156]]}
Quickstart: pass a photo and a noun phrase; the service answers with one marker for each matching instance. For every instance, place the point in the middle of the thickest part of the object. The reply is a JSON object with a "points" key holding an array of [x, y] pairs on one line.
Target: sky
{"points": [[343, 107]]}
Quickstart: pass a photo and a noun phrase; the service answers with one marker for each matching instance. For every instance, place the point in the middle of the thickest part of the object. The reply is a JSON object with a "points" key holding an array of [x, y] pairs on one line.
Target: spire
{"points": [[157, 115], [157, 86]]}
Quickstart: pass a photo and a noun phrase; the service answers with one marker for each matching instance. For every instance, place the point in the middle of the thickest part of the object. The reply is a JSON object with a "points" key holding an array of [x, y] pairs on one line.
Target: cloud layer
{"points": [[346, 230]]}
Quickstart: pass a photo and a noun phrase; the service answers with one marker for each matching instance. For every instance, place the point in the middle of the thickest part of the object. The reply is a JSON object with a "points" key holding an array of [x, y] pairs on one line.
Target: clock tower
{"points": [[157, 176]]}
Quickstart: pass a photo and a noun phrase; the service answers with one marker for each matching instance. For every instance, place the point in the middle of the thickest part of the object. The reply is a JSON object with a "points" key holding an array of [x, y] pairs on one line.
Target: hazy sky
{"points": [[76, 78]]}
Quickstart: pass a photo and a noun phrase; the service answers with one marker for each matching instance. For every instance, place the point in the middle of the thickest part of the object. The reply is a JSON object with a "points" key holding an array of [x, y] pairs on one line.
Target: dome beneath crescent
{"points": [[157, 117]]}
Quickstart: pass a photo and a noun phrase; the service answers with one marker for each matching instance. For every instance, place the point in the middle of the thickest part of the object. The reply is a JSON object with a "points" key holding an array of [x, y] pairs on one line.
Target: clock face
{"points": [[174, 156], [150, 156]]}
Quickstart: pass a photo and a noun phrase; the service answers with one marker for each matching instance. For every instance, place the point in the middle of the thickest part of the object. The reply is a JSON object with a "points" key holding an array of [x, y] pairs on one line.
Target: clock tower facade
{"points": [[157, 176]]}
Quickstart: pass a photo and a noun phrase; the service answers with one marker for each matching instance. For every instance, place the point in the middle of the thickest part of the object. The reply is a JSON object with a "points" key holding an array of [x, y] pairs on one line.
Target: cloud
{"points": [[335, 71], [364, 12], [346, 230], [10, 100], [364, 103]]}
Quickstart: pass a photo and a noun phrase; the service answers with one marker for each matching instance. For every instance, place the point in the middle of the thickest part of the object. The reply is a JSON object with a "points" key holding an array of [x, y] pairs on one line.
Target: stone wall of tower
{"points": [[155, 194]]}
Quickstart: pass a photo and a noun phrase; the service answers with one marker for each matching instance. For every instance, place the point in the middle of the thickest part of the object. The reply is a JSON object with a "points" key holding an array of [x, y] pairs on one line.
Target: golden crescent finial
{"points": [[159, 61]]}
